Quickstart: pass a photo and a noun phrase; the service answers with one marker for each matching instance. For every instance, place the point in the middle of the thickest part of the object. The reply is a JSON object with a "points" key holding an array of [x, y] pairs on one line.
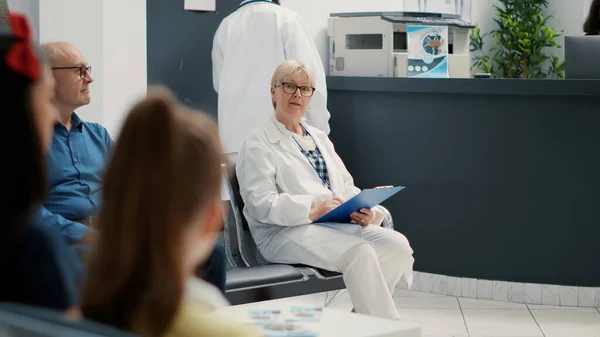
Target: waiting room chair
{"points": [[242, 277]]}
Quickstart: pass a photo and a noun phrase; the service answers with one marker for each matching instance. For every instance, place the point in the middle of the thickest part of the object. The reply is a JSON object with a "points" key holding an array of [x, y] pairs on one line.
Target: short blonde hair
{"points": [[290, 68]]}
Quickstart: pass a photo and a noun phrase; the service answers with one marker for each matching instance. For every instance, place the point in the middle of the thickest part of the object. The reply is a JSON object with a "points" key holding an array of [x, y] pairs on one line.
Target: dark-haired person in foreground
{"points": [[36, 264]]}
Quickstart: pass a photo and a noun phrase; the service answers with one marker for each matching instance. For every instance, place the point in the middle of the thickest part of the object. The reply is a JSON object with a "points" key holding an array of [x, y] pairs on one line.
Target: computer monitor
{"points": [[582, 57]]}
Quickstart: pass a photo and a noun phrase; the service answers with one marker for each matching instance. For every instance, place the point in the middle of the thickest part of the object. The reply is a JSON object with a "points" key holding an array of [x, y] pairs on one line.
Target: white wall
{"points": [[111, 34], [31, 8], [568, 15], [124, 59], [585, 8], [482, 13], [79, 22]]}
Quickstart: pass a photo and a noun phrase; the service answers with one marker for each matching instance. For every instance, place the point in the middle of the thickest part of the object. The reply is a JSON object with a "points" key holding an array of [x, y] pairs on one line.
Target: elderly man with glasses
{"points": [[79, 149], [77, 159]]}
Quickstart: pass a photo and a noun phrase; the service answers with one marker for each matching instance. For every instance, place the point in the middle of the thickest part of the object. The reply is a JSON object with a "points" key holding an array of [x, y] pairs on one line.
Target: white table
{"points": [[336, 323]]}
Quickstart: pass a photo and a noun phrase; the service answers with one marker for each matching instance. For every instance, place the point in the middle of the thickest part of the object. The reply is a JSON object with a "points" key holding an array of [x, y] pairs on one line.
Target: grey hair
{"points": [[53, 52], [290, 68]]}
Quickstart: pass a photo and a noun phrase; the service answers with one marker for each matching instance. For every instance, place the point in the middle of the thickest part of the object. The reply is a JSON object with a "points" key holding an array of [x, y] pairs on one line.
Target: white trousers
{"points": [[372, 259]]}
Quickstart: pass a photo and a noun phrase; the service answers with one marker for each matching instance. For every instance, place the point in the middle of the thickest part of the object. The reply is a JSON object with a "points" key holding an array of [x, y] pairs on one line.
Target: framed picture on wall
{"points": [[200, 5]]}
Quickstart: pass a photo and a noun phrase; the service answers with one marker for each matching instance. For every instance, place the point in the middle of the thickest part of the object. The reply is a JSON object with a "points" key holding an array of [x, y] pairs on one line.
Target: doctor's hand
{"points": [[363, 217], [324, 207]]}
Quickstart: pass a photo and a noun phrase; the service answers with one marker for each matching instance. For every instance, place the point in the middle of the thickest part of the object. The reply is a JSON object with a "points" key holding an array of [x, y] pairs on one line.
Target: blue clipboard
{"points": [[365, 199]]}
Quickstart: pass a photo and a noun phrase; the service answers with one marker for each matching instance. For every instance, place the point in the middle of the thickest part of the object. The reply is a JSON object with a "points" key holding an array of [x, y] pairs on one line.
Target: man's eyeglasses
{"points": [[290, 88], [83, 71]]}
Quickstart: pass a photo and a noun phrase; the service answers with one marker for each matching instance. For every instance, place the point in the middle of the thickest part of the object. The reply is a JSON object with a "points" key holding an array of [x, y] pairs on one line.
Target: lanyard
{"points": [[247, 2], [305, 153]]}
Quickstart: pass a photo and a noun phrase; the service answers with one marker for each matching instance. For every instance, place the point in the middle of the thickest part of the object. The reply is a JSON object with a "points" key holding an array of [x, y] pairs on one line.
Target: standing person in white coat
{"points": [[290, 175], [248, 46]]}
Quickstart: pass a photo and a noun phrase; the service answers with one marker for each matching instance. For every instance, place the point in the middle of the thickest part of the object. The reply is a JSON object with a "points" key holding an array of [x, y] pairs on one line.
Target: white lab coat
{"points": [[247, 48], [279, 187]]}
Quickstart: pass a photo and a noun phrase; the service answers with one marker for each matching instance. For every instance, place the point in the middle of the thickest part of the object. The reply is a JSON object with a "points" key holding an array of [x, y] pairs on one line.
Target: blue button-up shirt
{"points": [[75, 164]]}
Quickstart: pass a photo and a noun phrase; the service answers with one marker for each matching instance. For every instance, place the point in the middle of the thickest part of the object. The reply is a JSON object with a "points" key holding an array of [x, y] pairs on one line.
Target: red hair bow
{"points": [[21, 57]]}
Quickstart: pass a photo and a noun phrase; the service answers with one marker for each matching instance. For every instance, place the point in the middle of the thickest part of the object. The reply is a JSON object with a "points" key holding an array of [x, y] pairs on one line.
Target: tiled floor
{"points": [[444, 316]]}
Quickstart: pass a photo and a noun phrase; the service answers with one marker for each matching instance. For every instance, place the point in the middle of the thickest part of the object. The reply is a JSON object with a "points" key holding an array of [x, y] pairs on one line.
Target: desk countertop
{"points": [[530, 87]]}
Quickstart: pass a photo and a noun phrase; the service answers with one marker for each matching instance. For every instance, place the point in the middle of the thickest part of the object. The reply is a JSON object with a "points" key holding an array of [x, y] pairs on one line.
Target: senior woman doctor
{"points": [[290, 175]]}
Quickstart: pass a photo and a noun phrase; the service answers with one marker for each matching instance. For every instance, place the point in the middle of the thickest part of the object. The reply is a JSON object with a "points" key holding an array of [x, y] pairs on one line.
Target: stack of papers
{"points": [[298, 321]]}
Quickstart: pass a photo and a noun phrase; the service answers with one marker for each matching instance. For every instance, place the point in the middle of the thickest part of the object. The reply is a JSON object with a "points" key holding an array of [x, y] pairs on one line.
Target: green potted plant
{"points": [[520, 42]]}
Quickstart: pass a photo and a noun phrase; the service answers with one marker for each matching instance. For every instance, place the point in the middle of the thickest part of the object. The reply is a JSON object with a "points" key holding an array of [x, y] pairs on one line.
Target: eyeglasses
{"points": [[83, 71], [290, 88]]}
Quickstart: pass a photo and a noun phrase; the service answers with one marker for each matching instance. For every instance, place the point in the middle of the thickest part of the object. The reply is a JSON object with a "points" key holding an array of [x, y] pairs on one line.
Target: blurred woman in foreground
{"points": [[159, 220]]}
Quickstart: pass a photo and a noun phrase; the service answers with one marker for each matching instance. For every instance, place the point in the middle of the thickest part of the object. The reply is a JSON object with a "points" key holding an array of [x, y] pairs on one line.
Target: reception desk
{"points": [[502, 176]]}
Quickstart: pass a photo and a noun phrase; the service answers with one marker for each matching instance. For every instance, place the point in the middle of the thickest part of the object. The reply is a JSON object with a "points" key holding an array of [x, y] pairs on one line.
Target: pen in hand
{"points": [[324, 207]]}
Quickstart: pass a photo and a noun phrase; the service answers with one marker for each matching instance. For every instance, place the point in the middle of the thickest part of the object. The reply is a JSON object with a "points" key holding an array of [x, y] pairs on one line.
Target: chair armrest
{"points": [[388, 222]]}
